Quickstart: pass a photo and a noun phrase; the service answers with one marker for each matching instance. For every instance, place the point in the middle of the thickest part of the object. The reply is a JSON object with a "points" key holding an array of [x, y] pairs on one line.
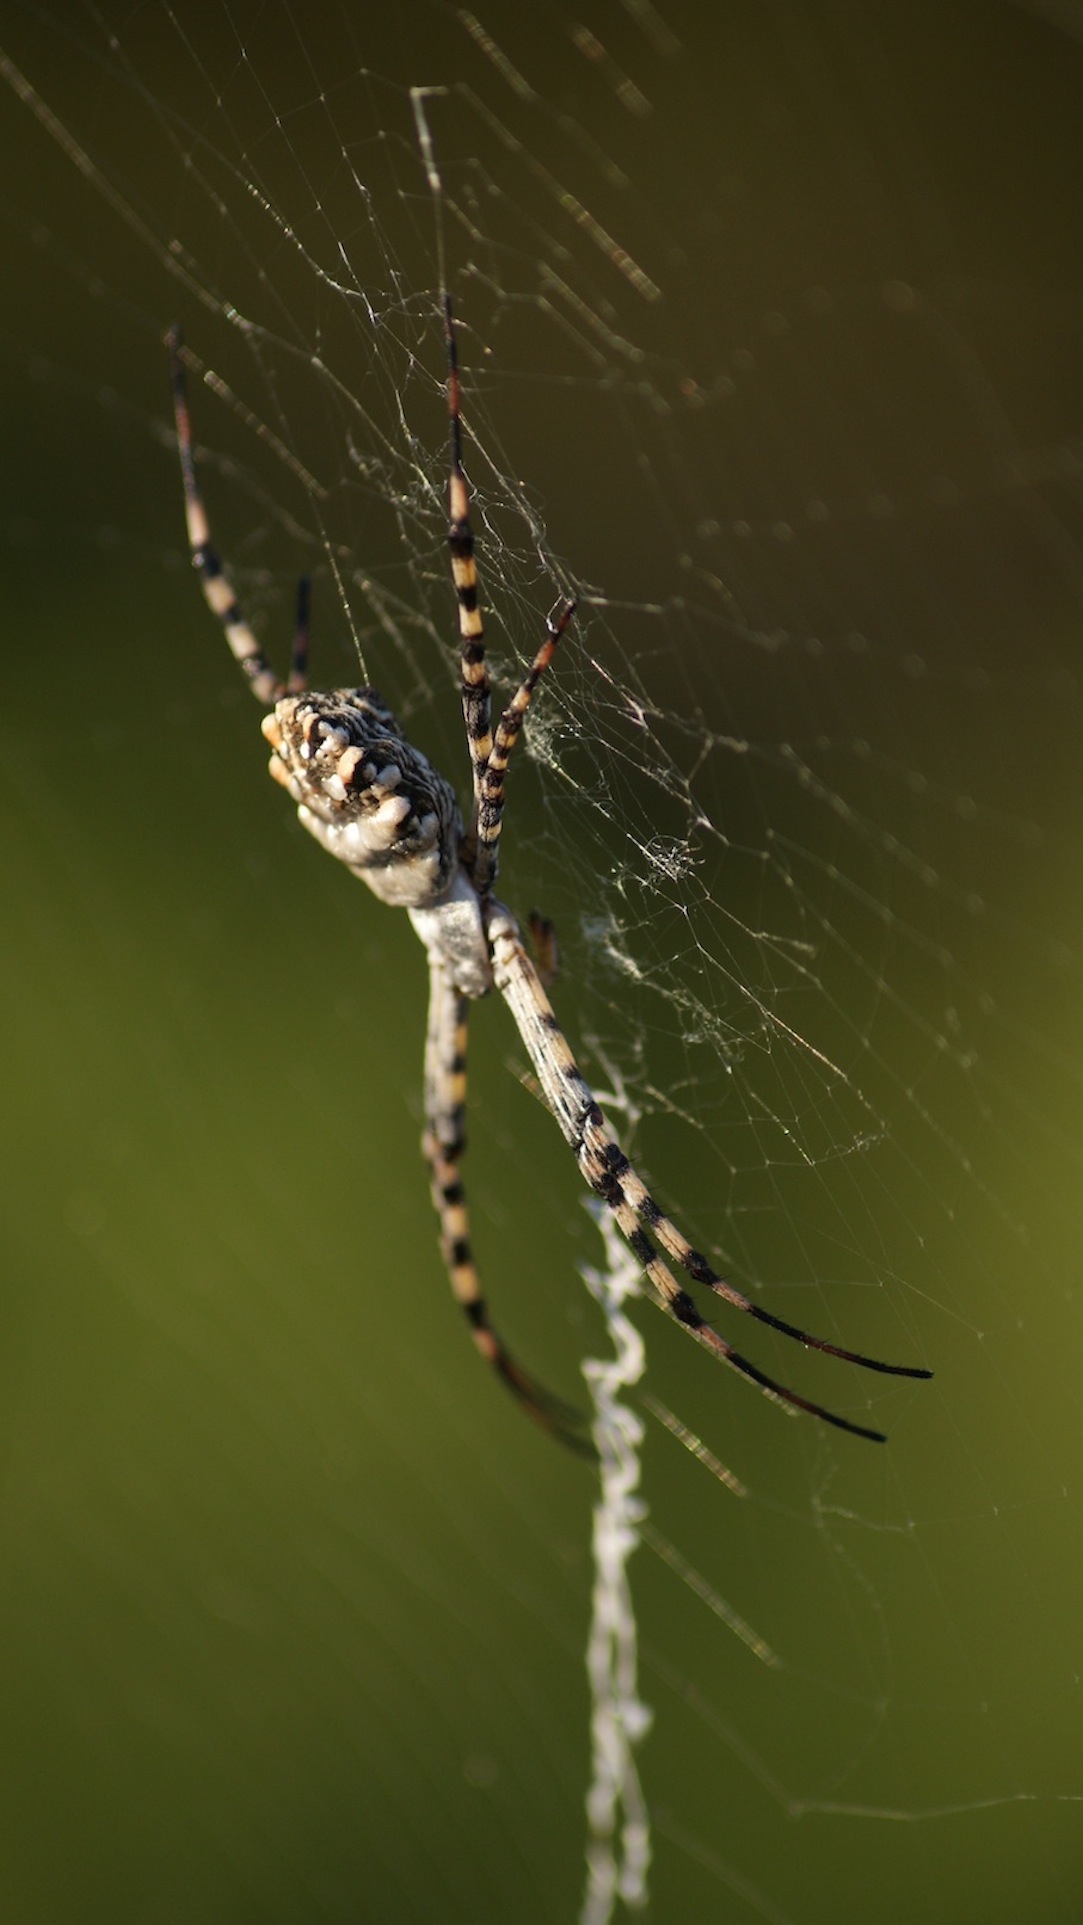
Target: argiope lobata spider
{"points": [[377, 804]]}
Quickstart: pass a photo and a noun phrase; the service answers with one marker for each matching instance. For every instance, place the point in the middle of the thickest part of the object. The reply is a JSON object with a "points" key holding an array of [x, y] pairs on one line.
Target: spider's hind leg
{"points": [[608, 1172], [443, 1143]]}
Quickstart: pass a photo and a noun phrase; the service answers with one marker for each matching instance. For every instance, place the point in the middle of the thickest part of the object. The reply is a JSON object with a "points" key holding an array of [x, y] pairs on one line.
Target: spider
{"points": [[376, 803]]}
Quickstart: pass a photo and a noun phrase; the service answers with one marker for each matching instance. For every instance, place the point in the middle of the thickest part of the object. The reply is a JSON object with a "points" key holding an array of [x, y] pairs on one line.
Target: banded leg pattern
{"points": [[609, 1173], [509, 728], [217, 587], [443, 1144], [476, 695]]}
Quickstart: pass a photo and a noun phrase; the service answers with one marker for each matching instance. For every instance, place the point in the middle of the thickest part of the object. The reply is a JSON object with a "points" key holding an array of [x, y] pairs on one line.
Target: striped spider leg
{"points": [[376, 803], [443, 1144], [611, 1176]]}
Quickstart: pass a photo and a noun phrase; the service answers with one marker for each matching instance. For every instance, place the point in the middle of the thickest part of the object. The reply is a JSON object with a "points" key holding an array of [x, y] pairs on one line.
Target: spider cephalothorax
{"points": [[377, 804]]}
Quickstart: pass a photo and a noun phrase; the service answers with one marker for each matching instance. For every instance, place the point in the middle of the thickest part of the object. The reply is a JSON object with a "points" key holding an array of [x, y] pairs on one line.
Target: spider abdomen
{"points": [[366, 794]]}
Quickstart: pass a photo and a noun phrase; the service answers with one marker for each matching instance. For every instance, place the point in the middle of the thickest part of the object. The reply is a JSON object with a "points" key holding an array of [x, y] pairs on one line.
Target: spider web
{"points": [[769, 324]]}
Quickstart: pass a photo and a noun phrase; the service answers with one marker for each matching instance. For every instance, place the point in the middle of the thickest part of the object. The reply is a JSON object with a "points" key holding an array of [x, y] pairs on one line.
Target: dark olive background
{"points": [[294, 1605]]}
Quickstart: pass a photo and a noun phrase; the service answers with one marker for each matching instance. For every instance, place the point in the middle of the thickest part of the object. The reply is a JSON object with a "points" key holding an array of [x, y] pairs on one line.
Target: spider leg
{"points": [[679, 1248], [217, 587], [443, 1143], [509, 728], [476, 700], [608, 1172], [489, 753]]}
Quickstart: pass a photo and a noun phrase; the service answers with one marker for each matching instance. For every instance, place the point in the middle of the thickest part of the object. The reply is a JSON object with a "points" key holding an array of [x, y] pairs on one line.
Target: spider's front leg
{"points": [[218, 591], [490, 752]]}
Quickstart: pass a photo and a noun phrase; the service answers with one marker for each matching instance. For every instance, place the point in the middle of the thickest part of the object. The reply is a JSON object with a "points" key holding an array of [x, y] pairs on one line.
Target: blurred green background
{"points": [[294, 1604]]}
